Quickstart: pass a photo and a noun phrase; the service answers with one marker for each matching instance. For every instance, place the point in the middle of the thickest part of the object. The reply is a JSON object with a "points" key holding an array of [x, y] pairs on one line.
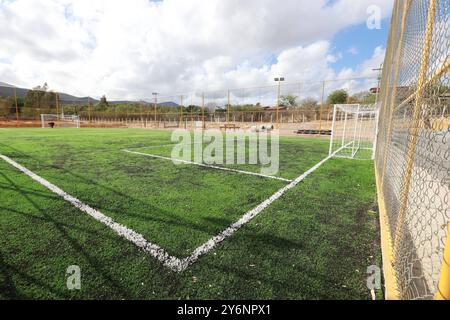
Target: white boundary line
{"points": [[213, 242], [207, 165], [156, 251], [184, 144], [130, 235]]}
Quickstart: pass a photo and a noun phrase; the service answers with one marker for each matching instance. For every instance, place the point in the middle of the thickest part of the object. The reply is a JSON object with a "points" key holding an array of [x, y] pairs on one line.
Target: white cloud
{"points": [[364, 70], [128, 49], [353, 50]]}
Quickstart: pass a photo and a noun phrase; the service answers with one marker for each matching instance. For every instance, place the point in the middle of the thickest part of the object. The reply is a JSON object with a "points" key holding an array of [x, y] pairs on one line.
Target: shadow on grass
{"points": [[304, 280], [158, 215], [94, 263]]}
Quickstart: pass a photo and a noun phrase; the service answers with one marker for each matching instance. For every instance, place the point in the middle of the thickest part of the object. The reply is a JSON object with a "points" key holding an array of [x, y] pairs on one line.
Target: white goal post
{"points": [[354, 131], [59, 121]]}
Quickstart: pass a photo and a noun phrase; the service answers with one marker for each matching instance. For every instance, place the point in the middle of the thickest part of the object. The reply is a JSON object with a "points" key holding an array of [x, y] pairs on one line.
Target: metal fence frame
{"points": [[407, 176]]}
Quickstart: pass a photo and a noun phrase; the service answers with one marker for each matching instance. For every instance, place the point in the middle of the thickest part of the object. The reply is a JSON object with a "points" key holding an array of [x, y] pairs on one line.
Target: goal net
{"points": [[354, 131], [60, 121]]}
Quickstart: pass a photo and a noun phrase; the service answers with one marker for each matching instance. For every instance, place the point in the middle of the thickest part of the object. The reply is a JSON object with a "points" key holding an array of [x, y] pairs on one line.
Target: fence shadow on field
{"points": [[9, 289], [158, 215], [262, 245], [93, 262]]}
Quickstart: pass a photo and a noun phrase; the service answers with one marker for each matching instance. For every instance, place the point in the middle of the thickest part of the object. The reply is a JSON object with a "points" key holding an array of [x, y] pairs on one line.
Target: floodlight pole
{"points": [[279, 80]]}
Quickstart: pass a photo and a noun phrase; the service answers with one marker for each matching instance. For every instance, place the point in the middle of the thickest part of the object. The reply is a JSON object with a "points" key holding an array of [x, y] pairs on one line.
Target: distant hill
{"points": [[168, 104], [6, 91]]}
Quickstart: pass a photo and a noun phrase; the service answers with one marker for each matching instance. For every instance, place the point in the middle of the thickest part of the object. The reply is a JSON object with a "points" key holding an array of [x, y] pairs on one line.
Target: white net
{"points": [[354, 131], [60, 121]]}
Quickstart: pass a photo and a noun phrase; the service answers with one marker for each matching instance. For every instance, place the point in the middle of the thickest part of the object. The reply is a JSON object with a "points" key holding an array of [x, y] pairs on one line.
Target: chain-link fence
{"points": [[302, 107], [413, 154]]}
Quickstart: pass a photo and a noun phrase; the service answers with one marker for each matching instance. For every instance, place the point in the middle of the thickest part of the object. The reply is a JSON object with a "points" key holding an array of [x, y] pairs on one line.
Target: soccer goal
{"points": [[354, 131], [59, 121]]}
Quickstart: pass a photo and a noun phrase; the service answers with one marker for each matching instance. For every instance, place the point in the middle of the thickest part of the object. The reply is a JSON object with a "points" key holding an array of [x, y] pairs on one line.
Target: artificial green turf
{"points": [[315, 242]]}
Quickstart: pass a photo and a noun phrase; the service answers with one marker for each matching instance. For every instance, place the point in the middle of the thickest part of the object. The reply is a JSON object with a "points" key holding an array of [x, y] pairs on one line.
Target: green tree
{"points": [[193, 109], [338, 97], [103, 104], [364, 97], [39, 97], [309, 103], [289, 101]]}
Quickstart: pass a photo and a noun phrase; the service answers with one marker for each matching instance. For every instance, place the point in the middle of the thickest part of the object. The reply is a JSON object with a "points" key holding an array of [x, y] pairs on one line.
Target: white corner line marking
{"points": [[136, 238], [173, 263], [213, 242], [207, 165]]}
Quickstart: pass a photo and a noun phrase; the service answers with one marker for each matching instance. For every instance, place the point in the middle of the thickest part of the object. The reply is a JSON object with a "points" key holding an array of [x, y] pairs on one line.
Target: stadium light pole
{"points": [[155, 96], [279, 80]]}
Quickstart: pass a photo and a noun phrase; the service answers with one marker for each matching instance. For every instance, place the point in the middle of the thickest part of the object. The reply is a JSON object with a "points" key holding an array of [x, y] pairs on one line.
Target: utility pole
{"points": [[279, 80], [379, 81]]}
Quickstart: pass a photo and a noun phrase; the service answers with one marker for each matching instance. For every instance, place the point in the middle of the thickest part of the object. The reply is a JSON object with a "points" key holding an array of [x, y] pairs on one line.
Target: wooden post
{"points": [[321, 107], [89, 109], [228, 108], [140, 111], [181, 111], [203, 111], [17, 108], [57, 104]]}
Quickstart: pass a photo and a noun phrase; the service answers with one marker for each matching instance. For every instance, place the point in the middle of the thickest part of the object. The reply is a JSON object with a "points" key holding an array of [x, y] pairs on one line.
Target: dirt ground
{"points": [[286, 129]]}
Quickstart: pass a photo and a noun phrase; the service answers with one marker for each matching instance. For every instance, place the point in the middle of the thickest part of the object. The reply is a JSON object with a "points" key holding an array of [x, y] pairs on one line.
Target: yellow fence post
{"points": [[415, 125], [444, 282]]}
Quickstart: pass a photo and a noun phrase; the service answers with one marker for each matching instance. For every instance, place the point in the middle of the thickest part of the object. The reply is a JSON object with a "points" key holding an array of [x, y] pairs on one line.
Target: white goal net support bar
{"points": [[60, 121], [354, 131]]}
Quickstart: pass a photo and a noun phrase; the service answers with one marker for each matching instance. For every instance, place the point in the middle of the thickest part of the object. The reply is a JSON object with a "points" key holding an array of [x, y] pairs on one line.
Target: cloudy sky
{"points": [[129, 49]]}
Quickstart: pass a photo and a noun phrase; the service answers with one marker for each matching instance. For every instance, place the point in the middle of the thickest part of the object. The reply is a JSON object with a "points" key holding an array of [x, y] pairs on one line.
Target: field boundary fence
{"points": [[412, 160]]}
